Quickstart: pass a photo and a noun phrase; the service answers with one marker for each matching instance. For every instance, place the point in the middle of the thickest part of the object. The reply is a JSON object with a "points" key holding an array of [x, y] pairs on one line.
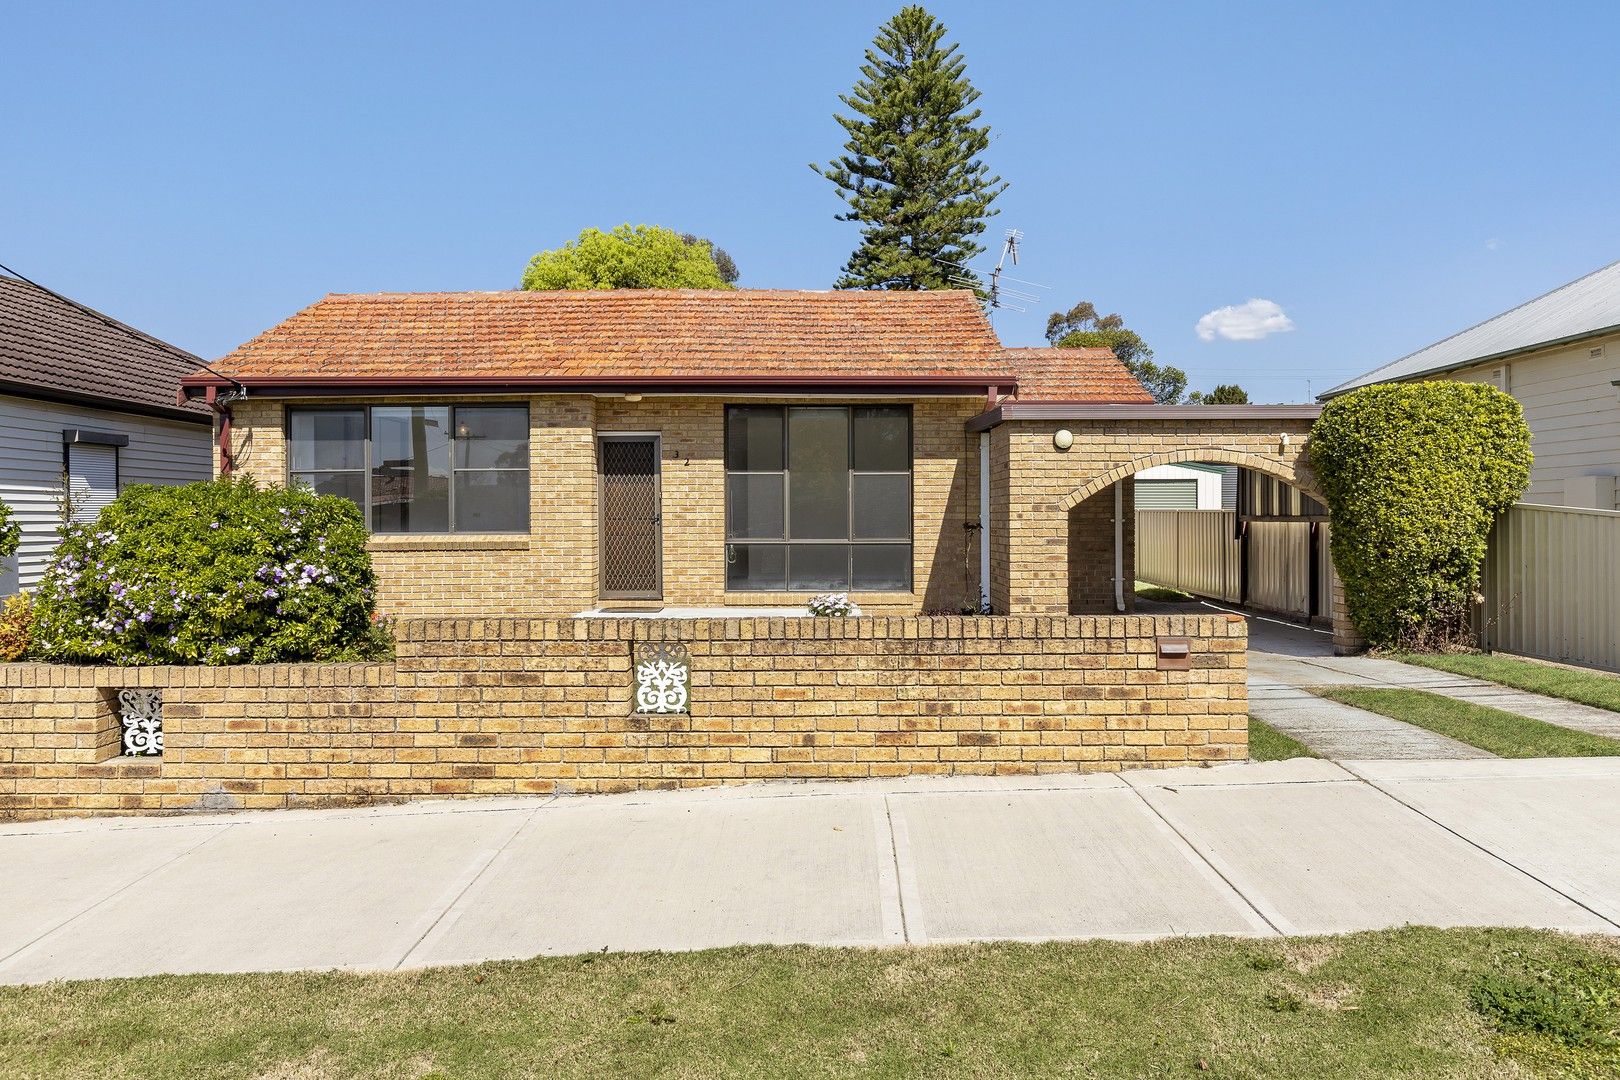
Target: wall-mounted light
{"points": [[1063, 439], [632, 397], [1282, 443]]}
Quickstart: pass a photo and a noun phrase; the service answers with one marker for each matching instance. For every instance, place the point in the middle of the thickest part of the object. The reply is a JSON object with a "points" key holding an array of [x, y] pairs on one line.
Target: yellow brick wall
{"points": [[554, 570], [517, 706]]}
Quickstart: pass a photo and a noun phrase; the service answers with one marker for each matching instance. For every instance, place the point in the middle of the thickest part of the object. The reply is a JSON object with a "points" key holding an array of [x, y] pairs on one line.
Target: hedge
{"points": [[1415, 474], [220, 572]]}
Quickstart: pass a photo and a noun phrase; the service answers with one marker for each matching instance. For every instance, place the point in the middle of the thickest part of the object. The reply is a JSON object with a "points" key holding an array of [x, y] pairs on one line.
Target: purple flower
{"points": [[231, 650]]}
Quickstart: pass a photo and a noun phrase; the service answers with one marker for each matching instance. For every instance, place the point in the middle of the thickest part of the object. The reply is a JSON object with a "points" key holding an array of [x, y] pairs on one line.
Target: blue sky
{"points": [[1384, 173]]}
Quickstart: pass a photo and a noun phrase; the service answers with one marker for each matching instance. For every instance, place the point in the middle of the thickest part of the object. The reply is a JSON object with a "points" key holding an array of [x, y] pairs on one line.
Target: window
{"points": [[818, 498], [418, 468], [92, 473]]}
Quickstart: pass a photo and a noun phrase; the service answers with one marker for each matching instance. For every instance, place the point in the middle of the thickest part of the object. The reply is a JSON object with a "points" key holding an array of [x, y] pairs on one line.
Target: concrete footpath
{"points": [[1298, 847]]}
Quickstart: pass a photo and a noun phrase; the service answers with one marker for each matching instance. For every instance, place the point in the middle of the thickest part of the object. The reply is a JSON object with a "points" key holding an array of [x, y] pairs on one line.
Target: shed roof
{"points": [[1583, 308], [56, 348]]}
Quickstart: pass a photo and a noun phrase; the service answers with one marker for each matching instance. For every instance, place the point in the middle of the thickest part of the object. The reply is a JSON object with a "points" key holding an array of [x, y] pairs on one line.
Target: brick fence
{"points": [[512, 706]]}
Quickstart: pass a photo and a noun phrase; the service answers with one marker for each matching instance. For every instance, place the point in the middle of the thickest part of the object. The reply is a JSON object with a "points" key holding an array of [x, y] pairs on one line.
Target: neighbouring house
{"points": [[88, 405], [1559, 355], [529, 453], [1191, 486]]}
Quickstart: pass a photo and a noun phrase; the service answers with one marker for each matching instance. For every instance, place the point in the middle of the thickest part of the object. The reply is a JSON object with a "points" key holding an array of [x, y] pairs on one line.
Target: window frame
{"points": [[292, 475], [850, 542]]}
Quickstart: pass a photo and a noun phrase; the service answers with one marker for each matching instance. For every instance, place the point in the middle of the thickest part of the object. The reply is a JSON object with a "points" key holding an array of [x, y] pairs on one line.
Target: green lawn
{"points": [[1586, 687], [1504, 734], [1162, 593], [1266, 743], [1474, 1004]]}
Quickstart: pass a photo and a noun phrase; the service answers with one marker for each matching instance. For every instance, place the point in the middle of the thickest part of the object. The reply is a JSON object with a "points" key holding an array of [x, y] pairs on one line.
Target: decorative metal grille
{"points": [[141, 713], [630, 518], [663, 674]]}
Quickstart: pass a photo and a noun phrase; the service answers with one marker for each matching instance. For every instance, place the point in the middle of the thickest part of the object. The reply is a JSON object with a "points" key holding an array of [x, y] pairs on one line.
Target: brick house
{"points": [[551, 453]]}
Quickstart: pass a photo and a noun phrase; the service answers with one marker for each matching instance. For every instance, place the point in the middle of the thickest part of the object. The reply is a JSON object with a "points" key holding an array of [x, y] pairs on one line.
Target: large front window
{"points": [[418, 468], [818, 498]]}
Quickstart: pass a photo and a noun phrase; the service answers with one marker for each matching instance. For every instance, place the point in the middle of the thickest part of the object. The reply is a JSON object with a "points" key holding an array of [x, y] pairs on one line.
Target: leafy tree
{"points": [[1224, 394], [1082, 328], [1415, 474], [910, 171], [1165, 383], [722, 260], [629, 257]]}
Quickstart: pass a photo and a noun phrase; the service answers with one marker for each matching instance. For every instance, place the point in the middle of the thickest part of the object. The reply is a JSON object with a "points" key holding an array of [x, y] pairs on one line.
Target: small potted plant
{"points": [[833, 604]]}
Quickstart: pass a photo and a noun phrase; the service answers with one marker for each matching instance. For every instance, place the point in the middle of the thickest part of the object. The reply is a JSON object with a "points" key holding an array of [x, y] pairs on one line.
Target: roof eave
{"points": [[1102, 411]]}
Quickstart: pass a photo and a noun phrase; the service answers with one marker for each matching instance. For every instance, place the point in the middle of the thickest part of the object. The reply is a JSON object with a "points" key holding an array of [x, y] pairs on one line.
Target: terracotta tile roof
{"points": [[627, 334], [58, 349], [1075, 375]]}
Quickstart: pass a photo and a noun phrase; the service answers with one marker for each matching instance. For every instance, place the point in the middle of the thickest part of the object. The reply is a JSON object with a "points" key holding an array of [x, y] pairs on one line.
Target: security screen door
{"points": [[632, 518]]}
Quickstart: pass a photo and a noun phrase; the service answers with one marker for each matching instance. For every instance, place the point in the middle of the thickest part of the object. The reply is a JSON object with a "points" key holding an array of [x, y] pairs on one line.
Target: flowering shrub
{"points": [[10, 533], [223, 572], [16, 627], [833, 604]]}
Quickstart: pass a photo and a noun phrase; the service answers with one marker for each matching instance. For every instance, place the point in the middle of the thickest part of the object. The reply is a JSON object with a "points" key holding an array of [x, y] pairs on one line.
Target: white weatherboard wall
{"points": [[1573, 409], [32, 465]]}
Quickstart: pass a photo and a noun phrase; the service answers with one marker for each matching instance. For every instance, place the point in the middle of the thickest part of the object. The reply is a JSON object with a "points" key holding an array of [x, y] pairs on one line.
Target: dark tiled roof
{"points": [[1093, 376], [626, 334], [59, 350]]}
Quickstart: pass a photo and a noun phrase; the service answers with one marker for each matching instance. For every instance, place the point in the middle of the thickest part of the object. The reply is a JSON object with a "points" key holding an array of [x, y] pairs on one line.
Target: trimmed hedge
{"points": [[1415, 474], [220, 572]]}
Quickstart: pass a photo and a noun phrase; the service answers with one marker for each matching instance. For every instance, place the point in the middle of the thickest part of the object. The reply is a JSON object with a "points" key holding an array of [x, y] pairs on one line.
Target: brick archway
{"points": [[1287, 471], [1054, 473]]}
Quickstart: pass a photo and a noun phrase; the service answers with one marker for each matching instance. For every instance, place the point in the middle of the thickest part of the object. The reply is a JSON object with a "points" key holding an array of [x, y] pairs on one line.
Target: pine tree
{"points": [[910, 170]]}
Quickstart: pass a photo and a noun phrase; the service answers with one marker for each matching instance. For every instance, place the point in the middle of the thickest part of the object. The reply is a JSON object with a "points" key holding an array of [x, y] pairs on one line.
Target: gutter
{"points": [[194, 386], [1092, 411], [102, 404]]}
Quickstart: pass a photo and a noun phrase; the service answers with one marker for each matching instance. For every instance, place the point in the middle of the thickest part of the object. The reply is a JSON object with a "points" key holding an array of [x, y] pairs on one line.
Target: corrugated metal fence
{"points": [[1191, 550], [1552, 585]]}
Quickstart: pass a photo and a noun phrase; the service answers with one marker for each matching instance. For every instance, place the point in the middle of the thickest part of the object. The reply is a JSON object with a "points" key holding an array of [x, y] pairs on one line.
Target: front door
{"points": [[632, 518]]}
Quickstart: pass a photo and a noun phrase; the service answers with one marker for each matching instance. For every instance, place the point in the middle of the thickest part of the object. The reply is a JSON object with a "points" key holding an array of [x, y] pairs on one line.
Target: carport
{"points": [[1060, 532]]}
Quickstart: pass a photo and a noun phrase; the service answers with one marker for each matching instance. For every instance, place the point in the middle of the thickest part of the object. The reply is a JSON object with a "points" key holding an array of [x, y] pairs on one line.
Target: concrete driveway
{"points": [[1295, 847]]}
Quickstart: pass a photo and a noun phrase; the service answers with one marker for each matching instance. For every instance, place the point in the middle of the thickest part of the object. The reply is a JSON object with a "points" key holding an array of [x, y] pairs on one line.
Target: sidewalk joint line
{"points": [[905, 872], [1207, 861], [474, 880], [176, 857], [1504, 860]]}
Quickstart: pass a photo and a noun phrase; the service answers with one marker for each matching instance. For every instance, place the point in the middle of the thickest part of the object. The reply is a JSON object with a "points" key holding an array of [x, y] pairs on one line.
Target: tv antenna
{"points": [[1000, 295]]}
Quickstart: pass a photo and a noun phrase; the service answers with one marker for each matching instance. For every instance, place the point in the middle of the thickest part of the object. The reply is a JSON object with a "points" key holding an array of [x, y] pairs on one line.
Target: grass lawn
{"points": [[1162, 593], [1586, 687], [1400, 1003], [1504, 734], [1266, 743]]}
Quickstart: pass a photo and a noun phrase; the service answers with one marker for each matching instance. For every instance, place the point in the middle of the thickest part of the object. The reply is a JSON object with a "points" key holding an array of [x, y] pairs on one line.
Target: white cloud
{"points": [[1493, 244], [1249, 321]]}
